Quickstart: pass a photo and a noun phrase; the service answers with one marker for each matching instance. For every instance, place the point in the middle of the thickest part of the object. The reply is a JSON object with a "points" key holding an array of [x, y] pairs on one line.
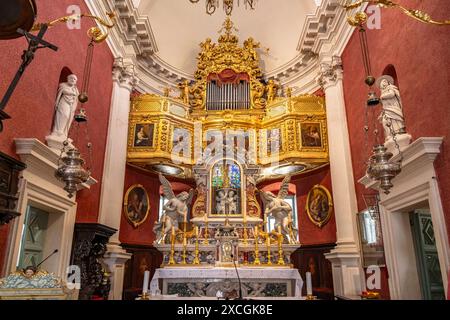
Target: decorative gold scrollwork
{"points": [[359, 19], [95, 33]]}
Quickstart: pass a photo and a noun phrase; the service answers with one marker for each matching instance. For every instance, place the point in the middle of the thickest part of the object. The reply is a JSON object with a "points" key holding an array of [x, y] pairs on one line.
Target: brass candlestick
{"points": [[196, 259], [280, 247], [144, 296], [172, 246], [245, 231], [206, 229], [269, 258], [184, 248], [257, 261]]}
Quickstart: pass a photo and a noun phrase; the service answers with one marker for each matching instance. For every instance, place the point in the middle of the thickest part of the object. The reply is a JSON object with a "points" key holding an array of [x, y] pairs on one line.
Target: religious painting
{"points": [[311, 135], [181, 142], [143, 135], [273, 140], [319, 205], [136, 205]]}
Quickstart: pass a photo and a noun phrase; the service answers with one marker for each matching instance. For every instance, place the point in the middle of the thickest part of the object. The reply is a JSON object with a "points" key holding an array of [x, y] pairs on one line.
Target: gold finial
{"points": [[228, 26]]}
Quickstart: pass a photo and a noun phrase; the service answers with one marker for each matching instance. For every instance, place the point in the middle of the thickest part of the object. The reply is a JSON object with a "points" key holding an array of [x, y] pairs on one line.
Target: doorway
{"points": [[427, 259]]}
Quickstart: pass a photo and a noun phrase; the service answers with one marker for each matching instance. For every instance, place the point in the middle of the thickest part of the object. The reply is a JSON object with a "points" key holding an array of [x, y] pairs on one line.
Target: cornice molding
{"points": [[324, 32]]}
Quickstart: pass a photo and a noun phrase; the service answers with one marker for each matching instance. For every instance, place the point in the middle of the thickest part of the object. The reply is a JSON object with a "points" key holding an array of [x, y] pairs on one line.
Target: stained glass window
{"points": [[217, 178], [235, 176]]}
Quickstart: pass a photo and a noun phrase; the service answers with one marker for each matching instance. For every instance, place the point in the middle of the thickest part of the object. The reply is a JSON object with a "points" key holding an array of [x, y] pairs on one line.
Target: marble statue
{"points": [[174, 211], [65, 106], [221, 200], [276, 207], [392, 114], [232, 202]]}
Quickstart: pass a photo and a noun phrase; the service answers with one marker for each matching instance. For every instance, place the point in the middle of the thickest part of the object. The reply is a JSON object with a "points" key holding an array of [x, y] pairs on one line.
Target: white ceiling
{"points": [[179, 26]]}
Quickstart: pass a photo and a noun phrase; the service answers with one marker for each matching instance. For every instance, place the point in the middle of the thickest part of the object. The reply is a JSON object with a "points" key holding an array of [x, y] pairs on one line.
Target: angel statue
{"points": [[175, 210], [276, 207]]}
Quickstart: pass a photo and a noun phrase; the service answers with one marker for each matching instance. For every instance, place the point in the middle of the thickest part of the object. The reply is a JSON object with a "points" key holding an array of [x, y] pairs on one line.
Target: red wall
{"points": [[31, 107], [143, 234], [420, 54], [309, 233]]}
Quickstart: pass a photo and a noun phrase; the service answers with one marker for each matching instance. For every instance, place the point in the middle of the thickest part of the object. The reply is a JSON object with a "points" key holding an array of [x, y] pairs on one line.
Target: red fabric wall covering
{"points": [[31, 107], [420, 54]]}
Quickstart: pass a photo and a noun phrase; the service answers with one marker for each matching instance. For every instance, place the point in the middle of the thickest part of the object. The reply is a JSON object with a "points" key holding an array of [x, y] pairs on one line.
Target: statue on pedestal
{"points": [[281, 210], [65, 106], [392, 114], [175, 210]]}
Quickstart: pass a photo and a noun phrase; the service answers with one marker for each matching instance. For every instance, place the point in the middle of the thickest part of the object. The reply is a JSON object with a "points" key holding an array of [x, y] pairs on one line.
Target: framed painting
{"points": [[143, 135], [311, 135], [319, 205], [136, 205]]}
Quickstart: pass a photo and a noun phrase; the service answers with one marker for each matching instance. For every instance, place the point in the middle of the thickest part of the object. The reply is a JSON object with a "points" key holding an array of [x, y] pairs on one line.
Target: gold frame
{"points": [[125, 205], [133, 137], [330, 205], [242, 193]]}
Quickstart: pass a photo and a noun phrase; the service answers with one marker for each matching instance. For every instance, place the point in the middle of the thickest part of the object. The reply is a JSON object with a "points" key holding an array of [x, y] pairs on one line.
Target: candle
{"points": [[146, 281], [308, 284]]}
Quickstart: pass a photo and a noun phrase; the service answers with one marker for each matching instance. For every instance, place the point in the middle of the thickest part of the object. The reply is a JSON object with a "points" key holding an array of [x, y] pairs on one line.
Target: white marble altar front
{"points": [[205, 282]]}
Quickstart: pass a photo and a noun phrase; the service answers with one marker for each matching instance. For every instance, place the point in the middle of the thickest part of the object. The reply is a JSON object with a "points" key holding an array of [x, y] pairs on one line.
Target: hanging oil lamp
{"points": [[71, 170], [381, 169]]}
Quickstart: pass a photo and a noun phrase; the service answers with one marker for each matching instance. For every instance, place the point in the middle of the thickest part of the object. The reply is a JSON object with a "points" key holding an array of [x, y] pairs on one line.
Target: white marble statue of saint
{"points": [[392, 116], [65, 106]]}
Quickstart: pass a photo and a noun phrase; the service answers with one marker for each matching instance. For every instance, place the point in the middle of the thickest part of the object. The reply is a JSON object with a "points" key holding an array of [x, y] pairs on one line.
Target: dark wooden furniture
{"points": [[312, 259], [89, 245], [10, 169], [145, 257]]}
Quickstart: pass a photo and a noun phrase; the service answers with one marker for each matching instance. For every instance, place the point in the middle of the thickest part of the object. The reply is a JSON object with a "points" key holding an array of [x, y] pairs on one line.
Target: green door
{"points": [[33, 238], [426, 255]]}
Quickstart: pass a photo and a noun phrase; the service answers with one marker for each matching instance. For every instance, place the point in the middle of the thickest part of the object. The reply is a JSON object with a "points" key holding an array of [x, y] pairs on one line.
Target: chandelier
{"points": [[212, 5]]}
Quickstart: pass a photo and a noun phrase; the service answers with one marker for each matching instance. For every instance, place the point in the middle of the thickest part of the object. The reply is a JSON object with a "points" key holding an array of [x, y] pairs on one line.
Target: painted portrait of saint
{"points": [[143, 136], [311, 135], [319, 205], [136, 205]]}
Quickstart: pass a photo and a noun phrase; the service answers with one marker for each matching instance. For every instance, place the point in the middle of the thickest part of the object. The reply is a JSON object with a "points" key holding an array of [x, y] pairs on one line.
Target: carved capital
{"points": [[330, 72], [124, 74]]}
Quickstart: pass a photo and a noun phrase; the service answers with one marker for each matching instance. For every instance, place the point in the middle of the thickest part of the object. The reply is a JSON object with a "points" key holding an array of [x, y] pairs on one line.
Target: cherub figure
{"points": [[184, 91], [175, 210], [232, 202], [221, 199], [271, 90]]}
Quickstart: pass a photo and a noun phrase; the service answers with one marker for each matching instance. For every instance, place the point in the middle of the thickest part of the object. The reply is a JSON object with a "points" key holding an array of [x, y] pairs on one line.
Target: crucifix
{"points": [[34, 43]]}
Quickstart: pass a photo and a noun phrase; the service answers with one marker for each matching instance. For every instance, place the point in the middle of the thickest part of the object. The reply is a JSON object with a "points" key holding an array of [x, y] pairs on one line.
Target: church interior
{"points": [[221, 149]]}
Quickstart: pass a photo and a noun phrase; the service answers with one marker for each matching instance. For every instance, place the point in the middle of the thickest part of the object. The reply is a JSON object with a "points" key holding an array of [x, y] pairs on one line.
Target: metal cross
{"points": [[34, 43]]}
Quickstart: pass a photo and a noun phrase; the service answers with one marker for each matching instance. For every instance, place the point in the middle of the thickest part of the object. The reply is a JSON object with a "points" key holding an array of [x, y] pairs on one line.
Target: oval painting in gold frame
{"points": [[319, 205], [136, 205]]}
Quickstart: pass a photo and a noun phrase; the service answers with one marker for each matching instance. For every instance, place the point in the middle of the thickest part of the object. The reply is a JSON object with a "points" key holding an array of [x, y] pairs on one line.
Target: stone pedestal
{"points": [[115, 258], [403, 141], [56, 142]]}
